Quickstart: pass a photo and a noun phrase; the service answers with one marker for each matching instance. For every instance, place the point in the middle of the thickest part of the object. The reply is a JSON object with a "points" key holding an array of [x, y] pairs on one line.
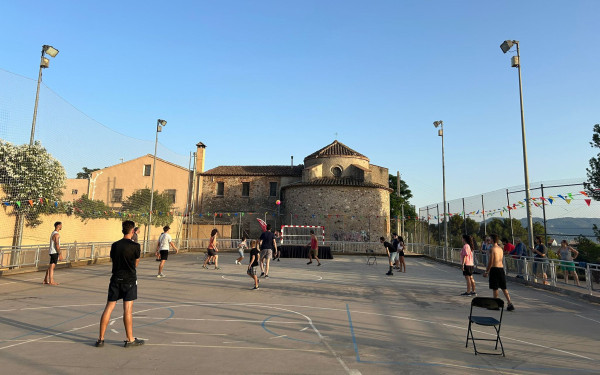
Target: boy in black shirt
{"points": [[125, 256], [392, 253], [253, 264]]}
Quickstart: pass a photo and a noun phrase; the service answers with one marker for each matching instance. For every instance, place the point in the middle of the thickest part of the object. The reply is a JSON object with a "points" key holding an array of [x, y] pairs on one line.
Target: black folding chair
{"points": [[371, 258], [489, 304]]}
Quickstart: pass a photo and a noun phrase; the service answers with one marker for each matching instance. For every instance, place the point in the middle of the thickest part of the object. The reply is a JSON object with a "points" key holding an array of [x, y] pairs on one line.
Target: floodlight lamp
{"points": [[438, 123], [162, 122], [50, 50], [506, 46], [44, 63]]}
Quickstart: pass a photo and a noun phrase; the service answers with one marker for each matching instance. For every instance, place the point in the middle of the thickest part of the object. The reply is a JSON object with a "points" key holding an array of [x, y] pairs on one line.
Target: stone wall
{"points": [[328, 162], [347, 212]]}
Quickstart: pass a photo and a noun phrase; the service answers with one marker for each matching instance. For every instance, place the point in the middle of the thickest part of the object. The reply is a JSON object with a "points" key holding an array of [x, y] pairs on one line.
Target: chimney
{"points": [[200, 150]]}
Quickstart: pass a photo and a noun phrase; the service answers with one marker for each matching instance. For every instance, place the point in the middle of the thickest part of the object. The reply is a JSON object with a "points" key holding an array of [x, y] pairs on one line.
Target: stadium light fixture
{"points": [[440, 124], [44, 63], [159, 124], [516, 63]]}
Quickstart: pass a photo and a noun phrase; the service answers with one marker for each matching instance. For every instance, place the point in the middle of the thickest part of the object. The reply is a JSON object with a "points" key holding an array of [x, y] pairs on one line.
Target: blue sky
{"points": [[258, 81]]}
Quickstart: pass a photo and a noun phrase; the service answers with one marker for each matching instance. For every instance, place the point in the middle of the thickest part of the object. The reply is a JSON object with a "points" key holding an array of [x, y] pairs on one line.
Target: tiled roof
{"points": [[255, 170], [339, 182], [335, 149]]}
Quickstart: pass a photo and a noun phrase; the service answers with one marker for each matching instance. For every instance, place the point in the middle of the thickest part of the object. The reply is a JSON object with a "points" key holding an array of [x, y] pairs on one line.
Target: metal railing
{"points": [[528, 268]]}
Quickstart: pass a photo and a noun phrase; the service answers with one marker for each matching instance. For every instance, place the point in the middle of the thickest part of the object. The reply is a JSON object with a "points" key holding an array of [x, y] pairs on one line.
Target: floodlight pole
{"points": [[159, 124], [525, 168], [441, 134], [43, 64]]}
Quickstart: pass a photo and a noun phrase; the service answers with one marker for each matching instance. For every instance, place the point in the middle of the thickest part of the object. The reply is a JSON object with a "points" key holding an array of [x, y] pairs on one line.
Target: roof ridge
{"points": [[335, 148]]}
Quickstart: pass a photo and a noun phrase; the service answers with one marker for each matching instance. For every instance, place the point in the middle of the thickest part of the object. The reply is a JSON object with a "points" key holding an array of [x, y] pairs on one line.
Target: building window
{"points": [[74, 191], [245, 189], [337, 171], [171, 194], [272, 189], [116, 196], [147, 169], [220, 189]]}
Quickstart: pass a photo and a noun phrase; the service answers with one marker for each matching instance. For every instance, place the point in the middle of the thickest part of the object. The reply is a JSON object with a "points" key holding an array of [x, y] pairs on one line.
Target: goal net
{"points": [[300, 234]]}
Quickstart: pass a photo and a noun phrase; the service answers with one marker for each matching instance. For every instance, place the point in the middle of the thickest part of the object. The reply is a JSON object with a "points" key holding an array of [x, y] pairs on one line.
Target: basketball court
{"points": [[344, 317]]}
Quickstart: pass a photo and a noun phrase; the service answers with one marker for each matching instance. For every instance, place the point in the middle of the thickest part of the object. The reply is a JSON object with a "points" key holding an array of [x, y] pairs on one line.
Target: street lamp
{"points": [[441, 134], [44, 63], [159, 125], [516, 63]]}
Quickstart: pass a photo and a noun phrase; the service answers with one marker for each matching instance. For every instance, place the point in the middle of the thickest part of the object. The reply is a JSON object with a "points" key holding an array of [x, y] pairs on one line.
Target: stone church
{"points": [[336, 187]]}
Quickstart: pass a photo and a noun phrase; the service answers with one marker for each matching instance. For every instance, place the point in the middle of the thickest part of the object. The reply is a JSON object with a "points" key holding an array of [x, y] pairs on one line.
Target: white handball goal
{"points": [[300, 234]]}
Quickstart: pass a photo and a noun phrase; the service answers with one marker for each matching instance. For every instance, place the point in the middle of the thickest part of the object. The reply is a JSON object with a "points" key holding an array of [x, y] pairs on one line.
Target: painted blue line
{"points": [[352, 333]]}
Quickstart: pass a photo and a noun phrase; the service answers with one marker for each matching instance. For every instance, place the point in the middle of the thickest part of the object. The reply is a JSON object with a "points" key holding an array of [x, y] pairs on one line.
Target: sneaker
{"points": [[160, 276], [135, 342], [278, 259], [319, 264], [217, 268], [266, 276], [236, 262], [466, 294], [510, 307], [255, 287], [262, 274], [309, 263], [474, 294], [203, 266], [389, 273], [99, 343]]}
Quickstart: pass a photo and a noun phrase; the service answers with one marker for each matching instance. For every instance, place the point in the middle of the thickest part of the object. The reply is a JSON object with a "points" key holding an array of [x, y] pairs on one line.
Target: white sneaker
{"points": [[236, 262]]}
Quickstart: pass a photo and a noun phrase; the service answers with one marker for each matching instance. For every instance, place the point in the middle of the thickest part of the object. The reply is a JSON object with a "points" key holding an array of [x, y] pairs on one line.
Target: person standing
{"points": [[241, 247], [164, 243], [519, 252], [466, 256], [401, 247], [267, 245], [565, 253], [212, 250], [313, 249], [253, 263], [495, 270], [508, 247], [395, 245], [540, 257], [391, 252], [55, 254], [134, 238], [277, 253], [125, 257], [486, 246]]}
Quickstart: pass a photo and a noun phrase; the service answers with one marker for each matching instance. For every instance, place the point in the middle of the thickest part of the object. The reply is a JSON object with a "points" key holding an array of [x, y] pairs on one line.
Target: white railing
{"points": [[527, 268]]}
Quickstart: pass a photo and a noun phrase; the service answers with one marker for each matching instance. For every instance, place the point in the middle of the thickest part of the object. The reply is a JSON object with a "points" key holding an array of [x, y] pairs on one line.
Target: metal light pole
{"points": [[516, 63], [44, 63], [441, 134], [159, 124]]}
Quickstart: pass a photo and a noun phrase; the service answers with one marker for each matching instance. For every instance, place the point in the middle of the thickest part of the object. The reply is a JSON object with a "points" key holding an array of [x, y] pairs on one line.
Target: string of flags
{"points": [[537, 202]]}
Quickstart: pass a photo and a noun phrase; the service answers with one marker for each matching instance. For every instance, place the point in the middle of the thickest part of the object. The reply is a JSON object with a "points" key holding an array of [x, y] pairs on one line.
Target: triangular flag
{"points": [[560, 196], [588, 201], [30, 202], [41, 200], [551, 200], [583, 193], [570, 196], [568, 201]]}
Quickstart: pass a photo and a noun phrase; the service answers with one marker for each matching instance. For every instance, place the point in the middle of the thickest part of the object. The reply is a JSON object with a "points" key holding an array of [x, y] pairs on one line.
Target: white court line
{"points": [[114, 330], [587, 318], [112, 322], [240, 347], [304, 329], [219, 320], [279, 280], [197, 333], [19, 281]]}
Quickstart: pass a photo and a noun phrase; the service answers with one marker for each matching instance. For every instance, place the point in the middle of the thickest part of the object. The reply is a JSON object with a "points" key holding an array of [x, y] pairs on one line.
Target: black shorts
{"points": [[401, 253], [211, 252], [497, 278], [122, 290], [164, 254], [468, 271], [54, 258]]}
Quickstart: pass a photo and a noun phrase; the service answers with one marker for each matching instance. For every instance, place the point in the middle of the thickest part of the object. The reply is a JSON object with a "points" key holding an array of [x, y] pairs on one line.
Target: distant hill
{"points": [[568, 226]]}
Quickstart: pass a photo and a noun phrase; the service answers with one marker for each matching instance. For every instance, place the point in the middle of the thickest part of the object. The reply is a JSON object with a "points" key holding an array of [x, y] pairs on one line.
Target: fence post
{"points": [[588, 279], [553, 273], [76, 252], [92, 252], [525, 270]]}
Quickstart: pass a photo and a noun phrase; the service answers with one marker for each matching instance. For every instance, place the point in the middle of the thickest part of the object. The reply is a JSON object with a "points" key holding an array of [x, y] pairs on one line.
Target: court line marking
{"points": [[114, 330], [278, 280], [587, 318], [18, 281], [197, 333], [241, 347]]}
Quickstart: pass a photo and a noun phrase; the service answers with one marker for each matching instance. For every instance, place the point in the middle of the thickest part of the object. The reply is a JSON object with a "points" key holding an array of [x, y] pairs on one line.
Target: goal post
{"points": [[300, 234]]}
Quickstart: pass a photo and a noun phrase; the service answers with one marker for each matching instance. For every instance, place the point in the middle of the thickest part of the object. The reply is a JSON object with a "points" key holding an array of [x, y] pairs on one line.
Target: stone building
{"points": [[336, 187]]}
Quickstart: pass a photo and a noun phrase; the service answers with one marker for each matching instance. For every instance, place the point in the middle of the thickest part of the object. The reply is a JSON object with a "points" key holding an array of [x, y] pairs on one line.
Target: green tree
{"points": [[396, 201], [87, 173], [28, 173], [139, 203], [589, 251], [593, 172], [86, 208]]}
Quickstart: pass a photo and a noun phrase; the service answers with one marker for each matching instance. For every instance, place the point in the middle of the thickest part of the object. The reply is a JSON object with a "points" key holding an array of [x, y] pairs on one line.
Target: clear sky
{"points": [[258, 81]]}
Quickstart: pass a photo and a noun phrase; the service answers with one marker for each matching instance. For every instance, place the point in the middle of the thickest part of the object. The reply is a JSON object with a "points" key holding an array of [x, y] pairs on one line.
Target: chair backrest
{"points": [[487, 303]]}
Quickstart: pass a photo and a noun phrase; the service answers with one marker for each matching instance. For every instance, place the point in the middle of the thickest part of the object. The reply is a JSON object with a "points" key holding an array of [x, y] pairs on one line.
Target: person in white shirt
{"points": [[164, 243], [55, 255]]}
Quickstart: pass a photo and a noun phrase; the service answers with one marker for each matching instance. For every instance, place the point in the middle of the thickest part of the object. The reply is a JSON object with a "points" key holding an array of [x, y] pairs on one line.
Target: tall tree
{"points": [[593, 172], [28, 173], [396, 201], [87, 173], [139, 203]]}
